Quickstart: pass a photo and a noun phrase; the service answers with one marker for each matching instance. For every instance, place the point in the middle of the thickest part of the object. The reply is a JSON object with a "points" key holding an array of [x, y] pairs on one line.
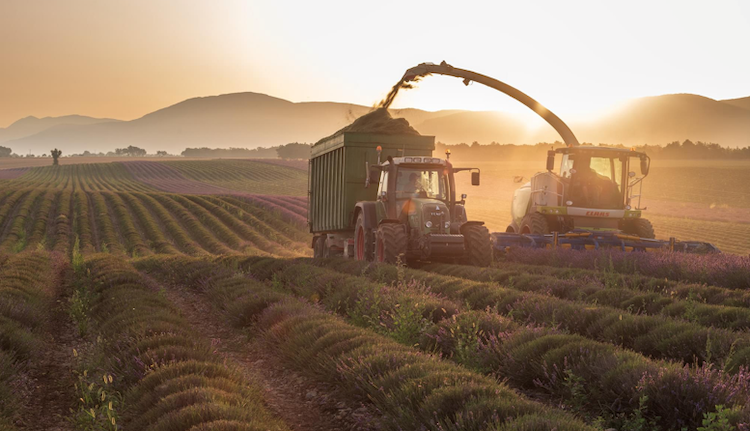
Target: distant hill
{"points": [[251, 120], [668, 118], [740, 103], [32, 125]]}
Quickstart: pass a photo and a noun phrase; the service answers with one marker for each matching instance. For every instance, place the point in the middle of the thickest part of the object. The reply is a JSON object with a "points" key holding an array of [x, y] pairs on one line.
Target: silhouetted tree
{"points": [[294, 151], [130, 151], [5, 152], [161, 153], [55, 155]]}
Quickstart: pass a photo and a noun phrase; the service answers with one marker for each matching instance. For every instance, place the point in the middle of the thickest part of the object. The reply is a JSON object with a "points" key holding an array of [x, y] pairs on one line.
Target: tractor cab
{"points": [[419, 191], [593, 190]]}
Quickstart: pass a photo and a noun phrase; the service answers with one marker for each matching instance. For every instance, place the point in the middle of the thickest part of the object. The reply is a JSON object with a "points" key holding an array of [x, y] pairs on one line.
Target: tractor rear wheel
{"points": [[640, 227], [391, 242], [364, 240], [478, 245], [535, 224]]}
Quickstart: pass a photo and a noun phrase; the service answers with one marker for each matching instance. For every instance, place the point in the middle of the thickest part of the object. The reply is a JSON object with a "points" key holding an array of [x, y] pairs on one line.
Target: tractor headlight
{"points": [[447, 224], [569, 203], [627, 207], [428, 224]]}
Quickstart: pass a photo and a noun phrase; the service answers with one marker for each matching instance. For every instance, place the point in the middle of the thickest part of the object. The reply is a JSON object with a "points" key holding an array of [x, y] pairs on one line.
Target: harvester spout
{"points": [[444, 68]]}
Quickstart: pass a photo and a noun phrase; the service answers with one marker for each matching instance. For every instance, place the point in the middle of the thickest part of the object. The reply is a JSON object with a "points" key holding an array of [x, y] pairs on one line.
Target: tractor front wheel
{"points": [[535, 224], [478, 245], [640, 227], [390, 245]]}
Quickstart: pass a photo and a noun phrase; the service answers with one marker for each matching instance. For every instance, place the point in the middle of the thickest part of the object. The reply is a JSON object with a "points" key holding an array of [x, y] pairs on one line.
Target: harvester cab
{"points": [[419, 217], [596, 189]]}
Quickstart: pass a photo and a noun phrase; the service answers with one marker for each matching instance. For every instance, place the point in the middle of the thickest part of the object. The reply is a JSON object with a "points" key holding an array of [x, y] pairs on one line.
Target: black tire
{"points": [[364, 240], [391, 242], [478, 245], [319, 247], [510, 229], [535, 224], [640, 227]]}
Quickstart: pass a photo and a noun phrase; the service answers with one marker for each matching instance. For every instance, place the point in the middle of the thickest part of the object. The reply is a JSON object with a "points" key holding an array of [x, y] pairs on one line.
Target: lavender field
{"points": [[127, 304]]}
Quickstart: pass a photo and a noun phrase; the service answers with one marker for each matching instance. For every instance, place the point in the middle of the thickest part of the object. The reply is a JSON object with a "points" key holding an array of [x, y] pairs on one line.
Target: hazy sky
{"points": [[123, 59]]}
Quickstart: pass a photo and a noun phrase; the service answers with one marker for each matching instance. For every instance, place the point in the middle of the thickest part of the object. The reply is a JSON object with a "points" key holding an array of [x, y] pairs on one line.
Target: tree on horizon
{"points": [[55, 155]]}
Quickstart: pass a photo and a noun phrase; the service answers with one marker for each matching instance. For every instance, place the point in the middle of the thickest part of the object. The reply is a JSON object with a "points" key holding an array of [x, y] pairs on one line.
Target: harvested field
{"points": [[12, 173], [296, 164]]}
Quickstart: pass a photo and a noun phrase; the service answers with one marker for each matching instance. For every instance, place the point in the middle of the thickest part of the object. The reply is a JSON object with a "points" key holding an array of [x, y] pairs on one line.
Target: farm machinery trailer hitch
{"points": [[587, 205]]}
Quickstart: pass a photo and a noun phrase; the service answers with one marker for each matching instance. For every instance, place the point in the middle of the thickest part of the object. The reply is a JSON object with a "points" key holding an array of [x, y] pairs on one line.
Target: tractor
{"points": [[383, 197], [418, 216]]}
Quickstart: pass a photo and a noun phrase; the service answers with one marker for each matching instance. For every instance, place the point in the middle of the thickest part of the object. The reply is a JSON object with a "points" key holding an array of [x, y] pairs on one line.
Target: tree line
{"points": [[294, 150], [674, 150], [476, 151]]}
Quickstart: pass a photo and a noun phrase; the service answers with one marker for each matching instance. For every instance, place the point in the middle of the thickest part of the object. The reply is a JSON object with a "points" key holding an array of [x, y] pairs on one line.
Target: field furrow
{"points": [[169, 377]]}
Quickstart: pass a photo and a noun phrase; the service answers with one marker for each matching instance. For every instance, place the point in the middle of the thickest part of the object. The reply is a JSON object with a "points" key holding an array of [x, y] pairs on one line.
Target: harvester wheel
{"points": [[364, 240], [478, 245], [390, 245], [640, 227], [535, 224]]}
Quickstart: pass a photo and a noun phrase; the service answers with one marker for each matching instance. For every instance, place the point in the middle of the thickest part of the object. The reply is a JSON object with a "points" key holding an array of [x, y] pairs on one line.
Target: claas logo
{"points": [[597, 213]]}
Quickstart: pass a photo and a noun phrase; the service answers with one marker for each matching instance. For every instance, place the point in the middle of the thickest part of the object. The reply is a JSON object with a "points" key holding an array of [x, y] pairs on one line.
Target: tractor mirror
{"points": [[644, 166], [475, 178], [373, 175], [550, 161]]}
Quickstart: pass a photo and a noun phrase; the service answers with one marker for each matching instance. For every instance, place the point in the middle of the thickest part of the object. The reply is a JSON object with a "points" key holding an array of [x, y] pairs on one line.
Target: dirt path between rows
{"points": [[51, 388], [305, 405]]}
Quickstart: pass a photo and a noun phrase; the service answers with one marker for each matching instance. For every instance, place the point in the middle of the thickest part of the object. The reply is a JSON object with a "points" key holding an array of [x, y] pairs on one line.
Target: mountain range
{"points": [[250, 120]]}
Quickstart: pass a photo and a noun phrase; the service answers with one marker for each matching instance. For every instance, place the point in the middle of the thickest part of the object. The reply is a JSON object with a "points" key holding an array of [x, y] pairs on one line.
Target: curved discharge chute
{"points": [[425, 69]]}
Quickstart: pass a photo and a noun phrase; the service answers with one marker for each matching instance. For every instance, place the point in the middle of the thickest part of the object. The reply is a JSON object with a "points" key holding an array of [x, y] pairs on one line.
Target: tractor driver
{"points": [[414, 185], [591, 189], [585, 190]]}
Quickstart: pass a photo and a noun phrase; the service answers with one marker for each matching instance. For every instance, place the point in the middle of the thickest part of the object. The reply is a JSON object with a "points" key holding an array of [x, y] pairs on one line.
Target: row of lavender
{"points": [[410, 389], [725, 270]]}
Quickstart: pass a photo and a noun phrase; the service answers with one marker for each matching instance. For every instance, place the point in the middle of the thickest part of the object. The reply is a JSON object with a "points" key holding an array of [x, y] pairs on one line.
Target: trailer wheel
{"points": [[640, 227], [478, 245], [535, 224], [391, 243], [319, 247], [364, 240]]}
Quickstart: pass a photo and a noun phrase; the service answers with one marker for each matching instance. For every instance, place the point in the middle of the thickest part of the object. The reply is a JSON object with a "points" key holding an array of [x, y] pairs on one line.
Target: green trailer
{"points": [[384, 197], [338, 171]]}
